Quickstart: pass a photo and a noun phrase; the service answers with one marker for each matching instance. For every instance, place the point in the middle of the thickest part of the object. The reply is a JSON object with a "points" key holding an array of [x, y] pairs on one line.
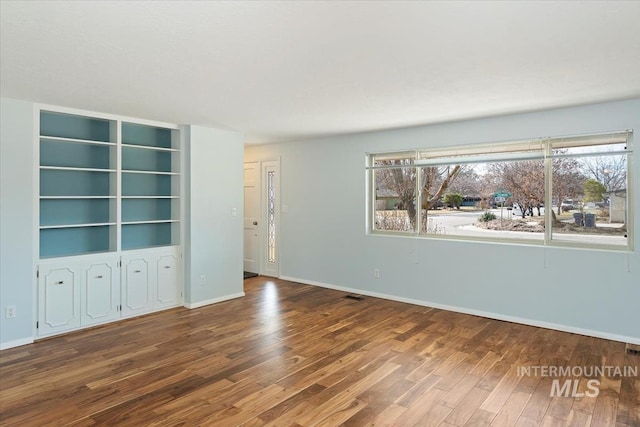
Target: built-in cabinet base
{"points": [[77, 292]]}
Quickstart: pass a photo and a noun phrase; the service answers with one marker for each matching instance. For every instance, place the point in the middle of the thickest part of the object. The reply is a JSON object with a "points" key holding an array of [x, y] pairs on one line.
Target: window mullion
{"points": [[548, 195], [418, 201]]}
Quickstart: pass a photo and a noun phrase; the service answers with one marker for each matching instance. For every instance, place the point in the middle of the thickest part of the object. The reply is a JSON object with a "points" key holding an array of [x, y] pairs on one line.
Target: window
{"points": [[555, 191]]}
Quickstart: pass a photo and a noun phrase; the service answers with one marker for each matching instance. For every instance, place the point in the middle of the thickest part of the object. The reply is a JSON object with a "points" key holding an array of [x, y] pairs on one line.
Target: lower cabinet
{"points": [[136, 285], [167, 294], [100, 292], [150, 282], [58, 298], [90, 290]]}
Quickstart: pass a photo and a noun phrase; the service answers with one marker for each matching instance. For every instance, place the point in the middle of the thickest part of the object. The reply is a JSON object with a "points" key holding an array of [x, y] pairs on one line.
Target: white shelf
{"points": [[76, 197], [150, 172], [67, 168], [97, 224], [149, 147], [150, 197], [84, 254], [160, 221], [77, 141]]}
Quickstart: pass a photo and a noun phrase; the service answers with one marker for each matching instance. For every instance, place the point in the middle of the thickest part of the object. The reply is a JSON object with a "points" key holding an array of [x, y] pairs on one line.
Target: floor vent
{"points": [[354, 297], [633, 349]]}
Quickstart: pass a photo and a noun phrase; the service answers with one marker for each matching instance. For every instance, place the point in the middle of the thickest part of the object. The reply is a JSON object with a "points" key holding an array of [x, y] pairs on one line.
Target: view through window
{"points": [[564, 191]]}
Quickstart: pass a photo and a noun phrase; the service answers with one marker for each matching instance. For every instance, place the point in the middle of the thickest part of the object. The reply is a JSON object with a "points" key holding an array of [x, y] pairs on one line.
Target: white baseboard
{"points": [[15, 343], [213, 301], [490, 315]]}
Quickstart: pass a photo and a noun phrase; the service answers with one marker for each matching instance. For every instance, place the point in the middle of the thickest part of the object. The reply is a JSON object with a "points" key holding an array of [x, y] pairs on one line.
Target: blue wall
{"points": [[17, 268], [586, 291]]}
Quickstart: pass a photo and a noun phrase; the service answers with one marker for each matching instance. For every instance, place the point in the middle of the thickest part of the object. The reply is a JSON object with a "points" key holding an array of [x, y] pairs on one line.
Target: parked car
{"points": [[569, 205]]}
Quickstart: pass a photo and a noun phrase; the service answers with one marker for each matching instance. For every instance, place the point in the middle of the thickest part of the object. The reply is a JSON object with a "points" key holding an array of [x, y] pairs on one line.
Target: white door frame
{"points": [[269, 267]]}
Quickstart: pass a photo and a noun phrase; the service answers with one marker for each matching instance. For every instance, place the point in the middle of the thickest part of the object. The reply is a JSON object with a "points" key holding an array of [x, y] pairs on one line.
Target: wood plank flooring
{"points": [[294, 355]]}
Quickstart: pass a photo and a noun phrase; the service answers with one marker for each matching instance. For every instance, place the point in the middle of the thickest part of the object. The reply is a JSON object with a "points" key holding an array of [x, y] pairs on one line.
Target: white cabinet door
{"points": [[168, 276], [136, 286], [59, 298], [101, 292]]}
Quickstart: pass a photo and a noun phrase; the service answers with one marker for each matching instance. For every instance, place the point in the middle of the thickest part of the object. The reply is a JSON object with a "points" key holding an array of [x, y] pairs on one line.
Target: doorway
{"points": [[262, 218]]}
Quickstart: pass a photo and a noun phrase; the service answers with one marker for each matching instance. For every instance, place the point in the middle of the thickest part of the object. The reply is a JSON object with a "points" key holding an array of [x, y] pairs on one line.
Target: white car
{"points": [[516, 211]]}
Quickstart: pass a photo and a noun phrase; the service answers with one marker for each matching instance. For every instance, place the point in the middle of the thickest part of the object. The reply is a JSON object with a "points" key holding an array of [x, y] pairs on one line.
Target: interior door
{"points": [[251, 217]]}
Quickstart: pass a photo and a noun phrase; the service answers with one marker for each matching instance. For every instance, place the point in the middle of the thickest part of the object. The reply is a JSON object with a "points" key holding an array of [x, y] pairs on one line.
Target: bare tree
{"points": [[401, 178], [568, 179], [468, 182], [611, 171], [435, 182], [524, 180]]}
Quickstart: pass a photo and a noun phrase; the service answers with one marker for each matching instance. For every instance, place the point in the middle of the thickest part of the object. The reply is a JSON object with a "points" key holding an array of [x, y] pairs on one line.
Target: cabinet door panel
{"points": [[167, 293], [59, 292], [136, 289], [100, 294]]}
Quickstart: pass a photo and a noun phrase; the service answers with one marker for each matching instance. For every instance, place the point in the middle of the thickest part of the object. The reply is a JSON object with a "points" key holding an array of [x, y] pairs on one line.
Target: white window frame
{"points": [[533, 149]]}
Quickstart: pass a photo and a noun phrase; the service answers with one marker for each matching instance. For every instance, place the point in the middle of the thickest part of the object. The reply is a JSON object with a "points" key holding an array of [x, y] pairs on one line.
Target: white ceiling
{"points": [[296, 70]]}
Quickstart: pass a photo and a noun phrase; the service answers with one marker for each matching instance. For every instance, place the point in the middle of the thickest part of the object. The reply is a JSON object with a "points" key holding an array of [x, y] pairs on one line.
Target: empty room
{"points": [[319, 213]]}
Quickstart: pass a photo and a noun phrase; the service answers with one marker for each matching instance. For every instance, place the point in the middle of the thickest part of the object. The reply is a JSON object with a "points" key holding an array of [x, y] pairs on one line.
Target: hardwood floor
{"points": [[296, 355]]}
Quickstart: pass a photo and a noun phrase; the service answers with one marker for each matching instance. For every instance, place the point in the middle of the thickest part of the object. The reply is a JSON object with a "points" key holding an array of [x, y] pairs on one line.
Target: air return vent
{"points": [[633, 349]]}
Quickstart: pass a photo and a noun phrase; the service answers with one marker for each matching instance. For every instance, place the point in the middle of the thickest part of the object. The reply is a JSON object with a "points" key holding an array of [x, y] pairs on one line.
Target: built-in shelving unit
{"points": [[78, 182], [91, 169], [109, 230], [150, 186]]}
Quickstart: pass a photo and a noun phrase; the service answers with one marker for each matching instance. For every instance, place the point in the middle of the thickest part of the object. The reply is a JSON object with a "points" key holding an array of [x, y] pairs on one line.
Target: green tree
{"points": [[593, 190], [453, 199]]}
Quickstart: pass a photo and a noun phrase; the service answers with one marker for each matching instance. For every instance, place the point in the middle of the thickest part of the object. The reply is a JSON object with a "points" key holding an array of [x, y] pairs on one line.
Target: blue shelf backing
{"points": [[74, 183], [134, 184], [75, 211], [146, 160], [146, 209], [72, 199], [70, 154], [76, 127], [146, 135], [55, 242], [137, 236]]}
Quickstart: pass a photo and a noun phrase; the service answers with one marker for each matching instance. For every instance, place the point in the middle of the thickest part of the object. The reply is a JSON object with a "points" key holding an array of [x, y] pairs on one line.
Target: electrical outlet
{"points": [[11, 311], [203, 279], [376, 273]]}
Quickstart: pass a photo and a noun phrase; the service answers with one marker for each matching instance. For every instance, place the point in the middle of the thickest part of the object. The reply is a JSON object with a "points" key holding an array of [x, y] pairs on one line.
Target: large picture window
{"points": [[570, 191]]}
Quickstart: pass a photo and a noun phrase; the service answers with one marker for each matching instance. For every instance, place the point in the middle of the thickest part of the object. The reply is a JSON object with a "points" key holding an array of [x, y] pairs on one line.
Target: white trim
{"points": [[213, 300], [486, 158], [159, 221], [149, 172], [149, 147], [75, 140], [70, 168], [103, 116], [91, 224], [16, 343], [490, 315]]}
